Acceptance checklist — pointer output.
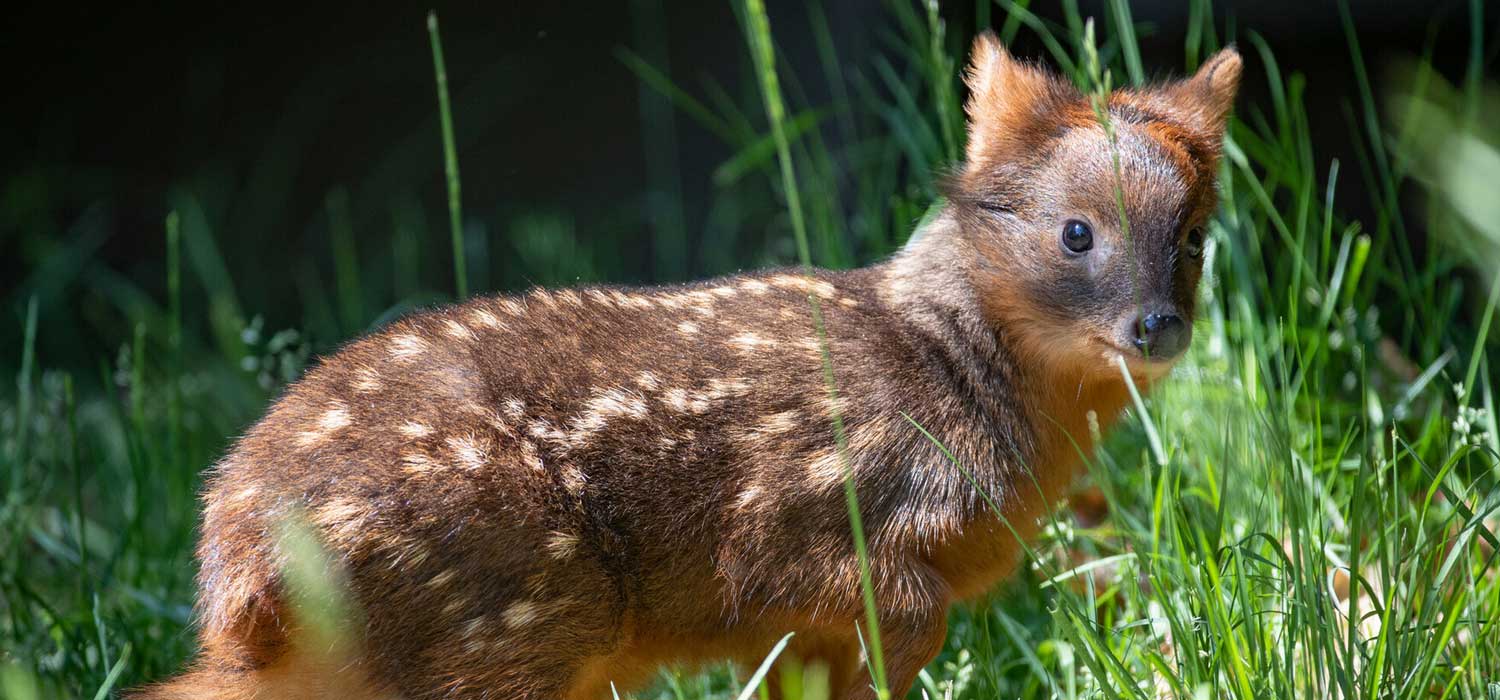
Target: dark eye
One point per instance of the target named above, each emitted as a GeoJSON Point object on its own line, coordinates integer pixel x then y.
{"type": "Point", "coordinates": [1077, 237]}
{"type": "Point", "coordinates": [1193, 246]}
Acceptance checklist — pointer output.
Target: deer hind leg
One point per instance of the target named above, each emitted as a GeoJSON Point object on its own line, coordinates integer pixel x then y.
{"type": "Point", "coordinates": [835, 655]}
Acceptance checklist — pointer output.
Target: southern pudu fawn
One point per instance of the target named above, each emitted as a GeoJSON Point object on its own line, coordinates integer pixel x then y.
{"type": "Point", "coordinates": [542, 496]}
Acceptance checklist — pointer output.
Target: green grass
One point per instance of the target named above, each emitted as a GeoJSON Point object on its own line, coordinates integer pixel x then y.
{"type": "Point", "coordinates": [1307, 509]}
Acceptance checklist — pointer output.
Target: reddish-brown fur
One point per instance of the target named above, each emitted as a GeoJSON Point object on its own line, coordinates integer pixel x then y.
{"type": "Point", "coordinates": [538, 496]}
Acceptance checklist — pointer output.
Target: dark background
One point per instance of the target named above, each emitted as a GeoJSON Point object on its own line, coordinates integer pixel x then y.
{"type": "Point", "coordinates": [114, 112]}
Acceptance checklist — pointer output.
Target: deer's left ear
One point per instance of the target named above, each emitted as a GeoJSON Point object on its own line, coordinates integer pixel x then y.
{"type": "Point", "coordinates": [1207, 98]}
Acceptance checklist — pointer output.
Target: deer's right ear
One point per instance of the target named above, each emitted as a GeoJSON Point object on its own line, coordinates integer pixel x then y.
{"type": "Point", "coordinates": [1004, 97]}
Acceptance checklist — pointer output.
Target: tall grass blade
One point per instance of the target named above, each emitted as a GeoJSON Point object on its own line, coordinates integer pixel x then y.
{"type": "Point", "coordinates": [753, 683]}
{"type": "Point", "coordinates": [174, 340]}
{"type": "Point", "coordinates": [758, 31]}
{"type": "Point", "coordinates": [450, 161]}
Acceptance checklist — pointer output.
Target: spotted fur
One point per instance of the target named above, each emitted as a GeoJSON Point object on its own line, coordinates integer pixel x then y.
{"type": "Point", "coordinates": [543, 495]}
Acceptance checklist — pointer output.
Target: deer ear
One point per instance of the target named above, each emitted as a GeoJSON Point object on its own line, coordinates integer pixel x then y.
{"type": "Point", "coordinates": [1003, 94]}
{"type": "Point", "coordinates": [1207, 98]}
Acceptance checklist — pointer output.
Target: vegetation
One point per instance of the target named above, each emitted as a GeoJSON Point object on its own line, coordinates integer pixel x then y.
{"type": "Point", "coordinates": [1308, 509]}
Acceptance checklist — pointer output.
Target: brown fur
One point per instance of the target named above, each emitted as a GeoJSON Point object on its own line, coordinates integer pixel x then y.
{"type": "Point", "coordinates": [538, 496]}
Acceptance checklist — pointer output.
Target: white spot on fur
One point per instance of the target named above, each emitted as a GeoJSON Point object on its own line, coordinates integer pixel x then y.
{"type": "Point", "coordinates": [561, 545]}
{"type": "Point", "coordinates": [804, 284]}
{"type": "Point", "coordinates": [342, 519]}
{"type": "Point", "coordinates": [366, 379]}
{"type": "Point", "coordinates": [486, 319]}
{"type": "Point", "coordinates": [778, 423]}
{"type": "Point", "coordinates": [826, 469]}
{"type": "Point", "coordinates": [541, 429]}
{"type": "Point", "coordinates": [521, 613]}
{"type": "Point", "coordinates": [441, 579]}
{"type": "Point", "coordinates": [724, 292]}
{"type": "Point", "coordinates": [638, 301]}
{"type": "Point", "coordinates": [769, 428]}
{"type": "Point", "coordinates": [722, 388]}
{"type": "Point", "coordinates": [458, 331]}
{"type": "Point", "coordinates": [574, 480]}
{"type": "Point", "coordinates": [698, 301]}
{"type": "Point", "coordinates": [471, 455]}
{"type": "Point", "coordinates": [406, 346]}
{"type": "Point", "coordinates": [701, 302]}
{"type": "Point", "coordinates": [417, 464]}
{"type": "Point", "coordinates": [515, 408]}
{"type": "Point", "coordinates": [746, 498]}
{"type": "Point", "coordinates": [684, 401]}
{"type": "Point", "coordinates": [332, 420]}
{"type": "Point", "coordinates": [749, 341]}
{"type": "Point", "coordinates": [850, 302]}
{"type": "Point", "coordinates": [676, 399]}
{"type": "Point", "coordinates": [338, 510]}
{"type": "Point", "coordinates": [647, 380]}
{"type": "Point", "coordinates": [607, 404]}
{"type": "Point", "coordinates": [474, 626]}
{"type": "Point", "coordinates": [599, 297]}
{"type": "Point", "coordinates": [413, 555]}
{"type": "Point", "coordinates": [698, 402]}
{"type": "Point", "coordinates": [455, 606]}
{"type": "Point", "coordinates": [415, 430]}
{"type": "Point", "coordinates": [511, 307]}
{"type": "Point", "coordinates": [755, 286]}
{"type": "Point", "coordinates": [490, 417]}
{"type": "Point", "coordinates": [687, 328]}
{"type": "Point", "coordinates": [618, 402]}
{"type": "Point", "coordinates": [838, 406]}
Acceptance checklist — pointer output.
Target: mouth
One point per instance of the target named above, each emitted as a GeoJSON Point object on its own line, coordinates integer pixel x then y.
{"type": "Point", "coordinates": [1139, 364]}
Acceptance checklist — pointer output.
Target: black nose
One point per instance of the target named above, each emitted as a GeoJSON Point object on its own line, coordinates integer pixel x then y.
{"type": "Point", "coordinates": [1161, 336]}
